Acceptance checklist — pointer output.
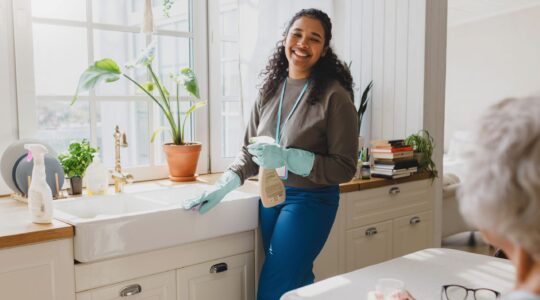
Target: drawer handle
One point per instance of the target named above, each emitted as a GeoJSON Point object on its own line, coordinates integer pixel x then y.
{"type": "Point", "coordinates": [414, 220]}
{"type": "Point", "coordinates": [394, 190]}
{"type": "Point", "coordinates": [218, 268]}
{"type": "Point", "coordinates": [371, 231]}
{"type": "Point", "coordinates": [131, 290]}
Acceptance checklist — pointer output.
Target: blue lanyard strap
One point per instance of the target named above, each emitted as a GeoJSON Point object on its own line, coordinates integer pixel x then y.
{"type": "Point", "coordinates": [278, 123]}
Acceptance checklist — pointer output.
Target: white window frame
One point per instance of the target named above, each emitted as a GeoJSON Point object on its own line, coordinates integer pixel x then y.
{"type": "Point", "coordinates": [26, 98]}
{"type": "Point", "coordinates": [218, 162]}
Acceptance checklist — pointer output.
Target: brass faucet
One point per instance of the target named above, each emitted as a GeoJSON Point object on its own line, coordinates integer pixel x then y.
{"type": "Point", "coordinates": [119, 178]}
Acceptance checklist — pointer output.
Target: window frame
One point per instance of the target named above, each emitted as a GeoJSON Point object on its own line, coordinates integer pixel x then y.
{"type": "Point", "coordinates": [218, 162]}
{"type": "Point", "coordinates": [27, 98]}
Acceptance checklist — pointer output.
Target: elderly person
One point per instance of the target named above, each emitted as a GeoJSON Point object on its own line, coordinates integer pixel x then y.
{"type": "Point", "coordinates": [501, 194]}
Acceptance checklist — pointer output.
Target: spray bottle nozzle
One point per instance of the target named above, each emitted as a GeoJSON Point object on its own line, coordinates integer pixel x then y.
{"type": "Point", "coordinates": [35, 150]}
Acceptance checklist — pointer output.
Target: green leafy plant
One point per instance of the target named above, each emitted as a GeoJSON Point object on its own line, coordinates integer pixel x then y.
{"type": "Point", "coordinates": [77, 159]}
{"type": "Point", "coordinates": [364, 103]}
{"type": "Point", "coordinates": [423, 145]}
{"type": "Point", "coordinates": [107, 70]}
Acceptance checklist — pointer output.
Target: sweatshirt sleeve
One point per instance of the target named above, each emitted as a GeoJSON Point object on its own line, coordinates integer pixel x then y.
{"type": "Point", "coordinates": [243, 165]}
{"type": "Point", "coordinates": [338, 165]}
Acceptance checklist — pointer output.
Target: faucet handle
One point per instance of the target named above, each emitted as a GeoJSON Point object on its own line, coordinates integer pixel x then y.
{"type": "Point", "coordinates": [124, 140]}
{"type": "Point", "coordinates": [129, 178]}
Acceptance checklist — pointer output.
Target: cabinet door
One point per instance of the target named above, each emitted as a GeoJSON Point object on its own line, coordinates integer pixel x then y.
{"type": "Point", "coordinates": [161, 286]}
{"type": "Point", "coordinates": [230, 278]}
{"type": "Point", "coordinates": [368, 245]}
{"type": "Point", "coordinates": [42, 271]}
{"type": "Point", "coordinates": [413, 233]}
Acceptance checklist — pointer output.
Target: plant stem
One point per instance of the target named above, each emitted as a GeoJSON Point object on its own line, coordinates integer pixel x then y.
{"type": "Point", "coordinates": [181, 129]}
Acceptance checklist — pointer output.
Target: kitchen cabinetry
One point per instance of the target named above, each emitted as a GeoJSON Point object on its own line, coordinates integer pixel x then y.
{"type": "Point", "coordinates": [378, 224]}
{"type": "Point", "coordinates": [38, 271]}
{"type": "Point", "coordinates": [220, 268]}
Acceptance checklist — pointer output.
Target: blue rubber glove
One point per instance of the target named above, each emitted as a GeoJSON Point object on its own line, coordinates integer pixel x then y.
{"type": "Point", "coordinates": [208, 199]}
{"type": "Point", "coordinates": [273, 156]}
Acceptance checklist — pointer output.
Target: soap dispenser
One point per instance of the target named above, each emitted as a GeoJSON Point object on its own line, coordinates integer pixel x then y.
{"type": "Point", "coordinates": [96, 177]}
{"type": "Point", "coordinates": [39, 192]}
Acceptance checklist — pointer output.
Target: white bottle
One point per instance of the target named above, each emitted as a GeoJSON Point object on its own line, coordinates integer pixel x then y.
{"type": "Point", "coordinates": [39, 192]}
{"type": "Point", "coordinates": [96, 178]}
{"type": "Point", "coordinates": [271, 188]}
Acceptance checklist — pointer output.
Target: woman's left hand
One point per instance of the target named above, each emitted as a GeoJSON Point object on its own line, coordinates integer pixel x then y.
{"type": "Point", "coordinates": [268, 155]}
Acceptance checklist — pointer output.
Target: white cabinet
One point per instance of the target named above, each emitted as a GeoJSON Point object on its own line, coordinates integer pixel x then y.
{"type": "Point", "coordinates": [368, 245]}
{"type": "Point", "coordinates": [219, 268]}
{"type": "Point", "coordinates": [39, 271]}
{"type": "Point", "coordinates": [229, 278]}
{"type": "Point", "coordinates": [156, 287]}
{"type": "Point", "coordinates": [413, 233]}
{"type": "Point", "coordinates": [378, 224]}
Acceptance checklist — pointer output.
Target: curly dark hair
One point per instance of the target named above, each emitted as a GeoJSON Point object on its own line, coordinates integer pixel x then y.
{"type": "Point", "coordinates": [328, 66]}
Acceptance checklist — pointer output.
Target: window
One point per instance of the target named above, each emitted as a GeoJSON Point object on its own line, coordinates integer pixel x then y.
{"type": "Point", "coordinates": [55, 40]}
{"type": "Point", "coordinates": [226, 114]}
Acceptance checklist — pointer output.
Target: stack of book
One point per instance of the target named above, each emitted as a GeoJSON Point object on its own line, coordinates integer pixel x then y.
{"type": "Point", "coordinates": [392, 159]}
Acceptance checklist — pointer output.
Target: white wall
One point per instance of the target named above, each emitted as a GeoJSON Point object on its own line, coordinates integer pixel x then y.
{"type": "Point", "coordinates": [489, 60]}
{"type": "Point", "coordinates": [8, 104]}
{"type": "Point", "coordinates": [387, 40]}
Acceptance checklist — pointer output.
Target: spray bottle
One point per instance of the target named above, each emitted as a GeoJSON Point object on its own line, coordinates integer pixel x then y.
{"type": "Point", "coordinates": [39, 192]}
{"type": "Point", "coordinates": [271, 187]}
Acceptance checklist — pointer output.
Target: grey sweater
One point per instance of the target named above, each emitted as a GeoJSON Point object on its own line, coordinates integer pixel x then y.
{"type": "Point", "coordinates": [329, 129]}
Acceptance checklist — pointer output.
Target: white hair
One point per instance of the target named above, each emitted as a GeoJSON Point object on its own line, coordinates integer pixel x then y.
{"type": "Point", "coordinates": [501, 192]}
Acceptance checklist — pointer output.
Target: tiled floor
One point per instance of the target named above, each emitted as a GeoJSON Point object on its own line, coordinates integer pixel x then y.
{"type": "Point", "coordinates": [461, 241]}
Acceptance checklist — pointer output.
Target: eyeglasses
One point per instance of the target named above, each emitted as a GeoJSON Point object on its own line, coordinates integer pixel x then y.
{"type": "Point", "coordinates": [459, 292]}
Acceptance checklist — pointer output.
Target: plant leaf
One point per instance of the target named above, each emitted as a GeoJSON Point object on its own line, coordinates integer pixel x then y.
{"type": "Point", "coordinates": [102, 70]}
{"type": "Point", "coordinates": [196, 106]}
{"type": "Point", "coordinates": [190, 82]}
{"type": "Point", "coordinates": [149, 86]}
{"type": "Point", "coordinates": [145, 58]}
{"type": "Point", "coordinates": [155, 133]}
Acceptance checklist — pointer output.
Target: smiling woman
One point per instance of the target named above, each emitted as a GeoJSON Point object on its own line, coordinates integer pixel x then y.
{"type": "Point", "coordinates": [306, 105]}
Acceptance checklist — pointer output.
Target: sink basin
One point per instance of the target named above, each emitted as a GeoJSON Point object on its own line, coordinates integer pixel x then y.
{"type": "Point", "coordinates": [122, 224]}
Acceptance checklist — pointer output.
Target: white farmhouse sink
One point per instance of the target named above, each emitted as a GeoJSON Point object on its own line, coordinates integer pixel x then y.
{"type": "Point", "coordinates": [121, 224]}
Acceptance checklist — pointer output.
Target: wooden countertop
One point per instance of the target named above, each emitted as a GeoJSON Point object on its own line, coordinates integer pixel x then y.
{"type": "Point", "coordinates": [17, 229]}
{"type": "Point", "coordinates": [360, 184]}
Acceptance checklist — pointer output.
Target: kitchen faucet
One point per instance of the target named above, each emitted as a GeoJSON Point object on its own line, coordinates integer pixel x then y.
{"type": "Point", "coordinates": [119, 178]}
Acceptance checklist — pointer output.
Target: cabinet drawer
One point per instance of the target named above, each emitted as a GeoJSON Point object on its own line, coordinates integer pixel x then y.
{"type": "Point", "coordinates": [156, 287]}
{"type": "Point", "coordinates": [413, 233]}
{"type": "Point", "coordinates": [376, 205]}
{"type": "Point", "coordinates": [368, 245]}
{"type": "Point", "coordinates": [229, 278]}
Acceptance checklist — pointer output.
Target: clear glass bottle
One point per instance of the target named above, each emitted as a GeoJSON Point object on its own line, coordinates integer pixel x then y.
{"type": "Point", "coordinates": [365, 170]}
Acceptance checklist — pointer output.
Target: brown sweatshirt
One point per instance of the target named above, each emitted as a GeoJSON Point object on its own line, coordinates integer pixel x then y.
{"type": "Point", "coordinates": [329, 129]}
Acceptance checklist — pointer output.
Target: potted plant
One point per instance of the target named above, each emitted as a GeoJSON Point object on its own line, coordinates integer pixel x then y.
{"type": "Point", "coordinates": [362, 110]}
{"type": "Point", "coordinates": [75, 161]}
{"type": "Point", "coordinates": [422, 143]}
{"type": "Point", "coordinates": [182, 156]}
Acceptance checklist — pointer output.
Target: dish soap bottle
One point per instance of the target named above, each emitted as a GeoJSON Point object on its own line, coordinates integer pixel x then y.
{"type": "Point", "coordinates": [271, 187]}
{"type": "Point", "coordinates": [39, 192]}
{"type": "Point", "coordinates": [96, 177]}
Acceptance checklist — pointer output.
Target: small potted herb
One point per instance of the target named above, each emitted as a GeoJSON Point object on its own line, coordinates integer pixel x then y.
{"type": "Point", "coordinates": [75, 161]}
{"type": "Point", "coordinates": [422, 143]}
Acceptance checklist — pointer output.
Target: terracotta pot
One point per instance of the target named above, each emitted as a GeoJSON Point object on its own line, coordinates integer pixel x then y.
{"type": "Point", "coordinates": [182, 161]}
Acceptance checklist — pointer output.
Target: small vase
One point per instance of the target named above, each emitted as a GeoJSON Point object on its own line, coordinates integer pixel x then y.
{"type": "Point", "coordinates": [182, 161]}
{"type": "Point", "coordinates": [75, 185]}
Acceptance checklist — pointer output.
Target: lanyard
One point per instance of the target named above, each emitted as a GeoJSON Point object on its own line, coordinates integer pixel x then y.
{"type": "Point", "coordinates": [278, 123]}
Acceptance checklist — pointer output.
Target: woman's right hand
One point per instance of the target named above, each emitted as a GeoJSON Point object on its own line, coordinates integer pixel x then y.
{"type": "Point", "coordinates": [209, 199]}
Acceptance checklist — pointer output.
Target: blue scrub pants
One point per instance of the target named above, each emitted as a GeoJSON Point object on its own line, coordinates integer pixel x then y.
{"type": "Point", "coordinates": [294, 232]}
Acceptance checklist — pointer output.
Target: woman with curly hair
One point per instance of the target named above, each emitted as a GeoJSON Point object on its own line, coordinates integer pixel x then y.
{"type": "Point", "coordinates": [306, 103]}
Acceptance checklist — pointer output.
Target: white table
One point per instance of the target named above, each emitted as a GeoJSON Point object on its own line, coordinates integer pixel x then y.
{"type": "Point", "coordinates": [424, 272]}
